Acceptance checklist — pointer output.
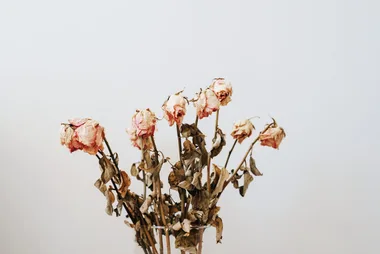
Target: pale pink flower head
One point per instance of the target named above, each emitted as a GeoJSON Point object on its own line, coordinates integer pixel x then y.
{"type": "Point", "coordinates": [175, 109]}
{"type": "Point", "coordinates": [140, 142]}
{"type": "Point", "coordinates": [206, 103]}
{"type": "Point", "coordinates": [144, 121]}
{"type": "Point", "coordinates": [222, 89]}
{"type": "Point", "coordinates": [242, 130]}
{"type": "Point", "coordinates": [83, 134]}
{"type": "Point", "coordinates": [272, 137]}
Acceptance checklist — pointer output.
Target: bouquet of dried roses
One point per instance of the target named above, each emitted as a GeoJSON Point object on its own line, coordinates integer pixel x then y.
{"type": "Point", "coordinates": [154, 215]}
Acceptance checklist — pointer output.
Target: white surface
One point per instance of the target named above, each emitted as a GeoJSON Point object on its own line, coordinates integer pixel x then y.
{"type": "Point", "coordinates": [313, 65]}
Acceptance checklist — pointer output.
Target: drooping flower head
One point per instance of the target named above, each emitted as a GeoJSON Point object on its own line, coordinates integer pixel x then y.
{"type": "Point", "coordinates": [175, 109]}
{"type": "Point", "coordinates": [207, 103]}
{"type": "Point", "coordinates": [143, 127]}
{"type": "Point", "coordinates": [222, 89]}
{"type": "Point", "coordinates": [272, 137]}
{"type": "Point", "coordinates": [83, 134]}
{"type": "Point", "coordinates": [242, 130]}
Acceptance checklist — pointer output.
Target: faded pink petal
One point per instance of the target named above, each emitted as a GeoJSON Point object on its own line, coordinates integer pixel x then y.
{"type": "Point", "coordinates": [242, 130]}
{"type": "Point", "coordinates": [222, 89]}
{"type": "Point", "coordinates": [144, 122]}
{"type": "Point", "coordinates": [174, 109]}
{"type": "Point", "coordinates": [207, 103]}
{"type": "Point", "coordinates": [272, 137]}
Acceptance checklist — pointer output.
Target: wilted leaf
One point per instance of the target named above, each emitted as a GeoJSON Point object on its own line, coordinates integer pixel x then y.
{"type": "Point", "coordinates": [185, 185]}
{"type": "Point", "coordinates": [119, 207]}
{"type": "Point", "coordinates": [134, 170]}
{"type": "Point", "coordinates": [201, 202]}
{"type": "Point", "coordinates": [101, 186]}
{"type": "Point", "coordinates": [197, 180]}
{"type": "Point", "coordinates": [213, 213]}
{"type": "Point", "coordinates": [222, 178]}
{"type": "Point", "coordinates": [198, 139]}
{"type": "Point", "coordinates": [247, 180]}
{"type": "Point", "coordinates": [145, 206]}
{"type": "Point", "coordinates": [110, 197]}
{"type": "Point", "coordinates": [252, 165]}
{"type": "Point", "coordinates": [131, 225]}
{"type": "Point", "coordinates": [186, 225]}
{"type": "Point", "coordinates": [108, 169]}
{"type": "Point", "coordinates": [177, 226]}
{"type": "Point", "coordinates": [125, 183]}
{"type": "Point", "coordinates": [218, 143]}
{"type": "Point", "coordinates": [218, 224]}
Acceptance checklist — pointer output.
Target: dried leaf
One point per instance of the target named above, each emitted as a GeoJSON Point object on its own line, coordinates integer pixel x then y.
{"type": "Point", "coordinates": [125, 183]}
{"type": "Point", "coordinates": [108, 169]}
{"type": "Point", "coordinates": [131, 225]}
{"type": "Point", "coordinates": [134, 170]}
{"type": "Point", "coordinates": [201, 202]}
{"type": "Point", "coordinates": [177, 226]}
{"type": "Point", "coordinates": [145, 206]}
{"type": "Point", "coordinates": [110, 197]}
{"type": "Point", "coordinates": [247, 180]}
{"type": "Point", "coordinates": [101, 186]}
{"type": "Point", "coordinates": [185, 185]}
{"type": "Point", "coordinates": [197, 180]}
{"type": "Point", "coordinates": [252, 165]}
{"type": "Point", "coordinates": [119, 207]}
{"type": "Point", "coordinates": [222, 178]}
{"type": "Point", "coordinates": [218, 143]}
{"type": "Point", "coordinates": [213, 213]}
{"type": "Point", "coordinates": [218, 224]}
{"type": "Point", "coordinates": [186, 225]}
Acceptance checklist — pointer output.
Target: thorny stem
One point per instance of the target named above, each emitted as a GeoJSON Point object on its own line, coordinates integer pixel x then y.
{"type": "Point", "coordinates": [157, 184]}
{"type": "Point", "coordinates": [229, 153]}
{"type": "Point", "coordinates": [245, 156]}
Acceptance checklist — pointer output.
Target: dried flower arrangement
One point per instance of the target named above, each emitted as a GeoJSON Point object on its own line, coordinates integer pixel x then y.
{"type": "Point", "coordinates": [155, 215]}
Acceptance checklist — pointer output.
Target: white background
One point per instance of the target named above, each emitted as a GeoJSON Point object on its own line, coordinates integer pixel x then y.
{"type": "Point", "coordinates": [313, 65]}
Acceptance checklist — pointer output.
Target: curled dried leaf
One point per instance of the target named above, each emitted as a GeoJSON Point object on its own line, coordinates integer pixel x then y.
{"type": "Point", "coordinates": [177, 226]}
{"type": "Point", "coordinates": [218, 143]}
{"type": "Point", "coordinates": [145, 206]}
{"type": "Point", "coordinates": [197, 180]}
{"type": "Point", "coordinates": [185, 185]}
{"type": "Point", "coordinates": [108, 169]}
{"type": "Point", "coordinates": [252, 165]}
{"type": "Point", "coordinates": [218, 224]}
{"type": "Point", "coordinates": [101, 186]}
{"type": "Point", "coordinates": [110, 197]}
{"type": "Point", "coordinates": [224, 175]}
{"type": "Point", "coordinates": [247, 180]}
{"type": "Point", "coordinates": [187, 242]}
{"type": "Point", "coordinates": [125, 183]}
{"type": "Point", "coordinates": [134, 170]}
{"type": "Point", "coordinates": [131, 225]}
{"type": "Point", "coordinates": [186, 225]}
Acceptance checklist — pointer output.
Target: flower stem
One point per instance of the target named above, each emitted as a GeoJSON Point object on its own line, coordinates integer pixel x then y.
{"type": "Point", "coordinates": [209, 155]}
{"type": "Point", "coordinates": [245, 156]}
{"type": "Point", "coordinates": [144, 175]}
{"type": "Point", "coordinates": [229, 153]}
{"type": "Point", "coordinates": [182, 192]}
{"type": "Point", "coordinates": [200, 241]}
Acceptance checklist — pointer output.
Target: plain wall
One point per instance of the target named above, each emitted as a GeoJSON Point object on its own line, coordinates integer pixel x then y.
{"type": "Point", "coordinates": [313, 65]}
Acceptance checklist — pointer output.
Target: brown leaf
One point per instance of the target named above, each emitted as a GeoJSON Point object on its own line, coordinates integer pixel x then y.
{"type": "Point", "coordinates": [101, 186]}
{"type": "Point", "coordinates": [186, 225]}
{"type": "Point", "coordinates": [148, 201]}
{"type": "Point", "coordinates": [125, 183]}
{"type": "Point", "coordinates": [201, 202]}
{"type": "Point", "coordinates": [218, 143]}
{"type": "Point", "coordinates": [247, 180]}
{"type": "Point", "coordinates": [197, 180]}
{"type": "Point", "coordinates": [187, 242]}
{"type": "Point", "coordinates": [110, 197]}
{"type": "Point", "coordinates": [185, 185]}
{"type": "Point", "coordinates": [108, 169]}
{"type": "Point", "coordinates": [218, 224]}
{"type": "Point", "coordinates": [177, 226]}
{"type": "Point", "coordinates": [223, 177]}
{"type": "Point", "coordinates": [252, 165]}
{"type": "Point", "coordinates": [134, 170]}
{"type": "Point", "coordinates": [213, 213]}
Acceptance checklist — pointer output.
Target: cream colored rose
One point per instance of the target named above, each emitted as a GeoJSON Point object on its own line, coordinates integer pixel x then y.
{"type": "Point", "coordinates": [144, 121]}
{"type": "Point", "coordinates": [242, 130]}
{"type": "Point", "coordinates": [272, 137]}
{"type": "Point", "coordinates": [175, 109]}
{"type": "Point", "coordinates": [206, 103]}
{"type": "Point", "coordinates": [222, 89]}
{"type": "Point", "coordinates": [83, 134]}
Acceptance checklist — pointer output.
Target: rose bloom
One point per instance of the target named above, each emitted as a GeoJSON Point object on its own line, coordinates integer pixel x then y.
{"type": "Point", "coordinates": [83, 134]}
{"type": "Point", "coordinates": [242, 130]}
{"type": "Point", "coordinates": [206, 103]}
{"type": "Point", "coordinates": [222, 89]}
{"type": "Point", "coordinates": [174, 109]}
{"type": "Point", "coordinates": [272, 137]}
{"type": "Point", "coordinates": [144, 122]}
{"type": "Point", "coordinates": [140, 142]}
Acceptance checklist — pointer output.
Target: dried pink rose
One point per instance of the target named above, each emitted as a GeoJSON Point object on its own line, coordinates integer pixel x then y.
{"type": "Point", "coordinates": [242, 130]}
{"type": "Point", "coordinates": [144, 122]}
{"type": "Point", "coordinates": [206, 103]}
{"type": "Point", "coordinates": [143, 127]}
{"type": "Point", "coordinates": [272, 137]}
{"type": "Point", "coordinates": [83, 134]}
{"type": "Point", "coordinates": [174, 109]}
{"type": "Point", "coordinates": [222, 89]}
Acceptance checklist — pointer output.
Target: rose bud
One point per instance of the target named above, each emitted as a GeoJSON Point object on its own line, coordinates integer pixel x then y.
{"type": "Point", "coordinates": [222, 89]}
{"type": "Point", "coordinates": [272, 137]}
{"type": "Point", "coordinates": [175, 109]}
{"type": "Point", "coordinates": [144, 122]}
{"type": "Point", "coordinates": [83, 134]}
{"type": "Point", "coordinates": [206, 103]}
{"type": "Point", "coordinates": [242, 130]}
